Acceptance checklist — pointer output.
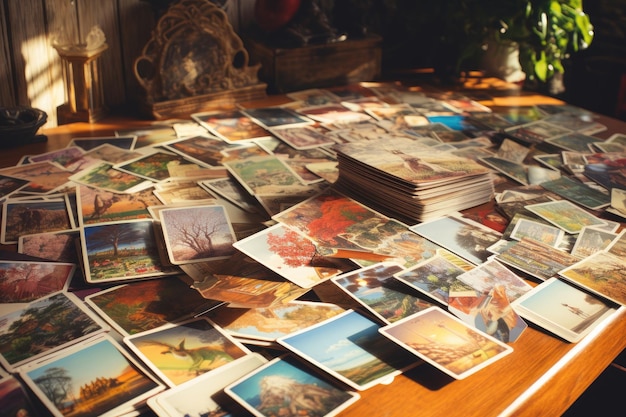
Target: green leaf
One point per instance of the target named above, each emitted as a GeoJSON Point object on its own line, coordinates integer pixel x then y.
{"type": "Point", "coordinates": [541, 67]}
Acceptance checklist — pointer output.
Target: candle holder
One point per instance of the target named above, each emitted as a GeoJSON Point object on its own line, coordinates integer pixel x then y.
{"type": "Point", "coordinates": [83, 85]}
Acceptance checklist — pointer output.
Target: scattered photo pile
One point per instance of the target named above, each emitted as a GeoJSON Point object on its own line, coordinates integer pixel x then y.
{"type": "Point", "coordinates": [283, 260]}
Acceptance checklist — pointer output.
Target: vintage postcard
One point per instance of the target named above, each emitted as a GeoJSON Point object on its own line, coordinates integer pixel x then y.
{"type": "Point", "coordinates": [578, 192]}
{"type": "Point", "coordinates": [269, 117]}
{"type": "Point", "coordinates": [268, 324]}
{"type": "Point", "coordinates": [89, 143]}
{"type": "Point", "coordinates": [43, 177]}
{"type": "Point", "coordinates": [52, 323]}
{"type": "Point", "coordinates": [63, 157]}
{"type": "Point", "coordinates": [512, 151]}
{"type": "Point", "coordinates": [535, 258]}
{"type": "Point", "coordinates": [121, 251]}
{"type": "Point", "coordinates": [203, 150]}
{"type": "Point", "coordinates": [197, 233]}
{"type": "Point", "coordinates": [202, 396]}
{"type": "Point", "coordinates": [582, 123]}
{"type": "Point", "coordinates": [314, 97]}
{"type": "Point", "coordinates": [105, 177]}
{"type": "Point", "coordinates": [552, 161]}
{"type": "Point", "coordinates": [562, 309]}
{"type": "Point", "coordinates": [535, 132]}
{"type": "Point", "coordinates": [376, 288]}
{"type": "Point", "coordinates": [100, 206]}
{"type": "Point", "coordinates": [148, 136]}
{"type": "Point", "coordinates": [433, 330]}
{"type": "Point", "coordinates": [601, 273]}
{"type": "Point", "coordinates": [58, 246]}
{"type": "Point", "coordinates": [297, 160]}
{"type": "Point", "coordinates": [112, 384]}
{"type": "Point", "coordinates": [464, 237]}
{"type": "Point", "coordinates": [566, 215]}
{"type": "Point", "coordinates": [291, 255]}
{"type": "Point", "coordinates": [232, 126]}
{"type": "Point", "coordinates": [486, 276]}
{"type": "Point", "coordinates": [302, 137]}
{"type": "Point", "coordinates": [432, 277]}
{"type": "Point", "coordinates": [153, 167]}
{"type": "Point", "coordinates": [489, 312]}
{"type": "Point", "coordinates": [541, 232]}
{"type": "Point", "coordinates": [282, 383]}
{"type": "Point", "coordinates": [333, 113]}
{"type": "Point", "coordinates": [26, 281]}
{"type": "Point", "coordinates": [232, 191]}
{"type": "Point", "coordinates": [144, 305]}
{"type": "Point", "coordinates": [349, 347]}
{"type": "Point", "coordinates": [244, 292]}
{"type": "Point", "coordinates": [179, 352]}
{"type": "Point", "coordinates": [112, 154]}
{"type": "Point", "coordinates": [591, 240]}
{"type": "Point", "coordinates": [513, 170]}
{"type": "Point", "coordinates": [263, 174]}
{"type": "Point", "coordinates": [576, 142]}
{"type": "Point", "coordinates": [23, 217]}
{"type": "Point", "coordinates": [175, 191]}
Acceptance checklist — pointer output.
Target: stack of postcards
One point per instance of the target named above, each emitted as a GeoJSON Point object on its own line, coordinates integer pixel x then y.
{"type": "Point", "coordinates": [405, 179]}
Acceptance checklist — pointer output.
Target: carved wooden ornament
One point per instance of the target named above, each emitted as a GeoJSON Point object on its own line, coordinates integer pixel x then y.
{"type": "Point", "coordinates": [194, 52]}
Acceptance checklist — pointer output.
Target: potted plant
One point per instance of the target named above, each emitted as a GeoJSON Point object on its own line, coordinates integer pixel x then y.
{"type": "Point", "coordinates": [546, 33]}
{"type": "Point", "coordinates": [457, 33]}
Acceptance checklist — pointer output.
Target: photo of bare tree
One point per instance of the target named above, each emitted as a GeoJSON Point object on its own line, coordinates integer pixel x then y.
{"type": "Point", "coordinates": [198, 233]}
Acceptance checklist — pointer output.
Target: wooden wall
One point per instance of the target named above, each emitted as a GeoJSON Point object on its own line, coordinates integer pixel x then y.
{"type": "Point", "coordinates": [30, 68]}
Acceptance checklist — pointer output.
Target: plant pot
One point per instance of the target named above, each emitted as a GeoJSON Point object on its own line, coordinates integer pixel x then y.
{"type": "Point", "coordinates": [501, 60]}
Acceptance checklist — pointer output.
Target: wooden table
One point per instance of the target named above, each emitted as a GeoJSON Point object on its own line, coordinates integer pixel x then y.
{"type": "Point", "coordinates": [543, 376]}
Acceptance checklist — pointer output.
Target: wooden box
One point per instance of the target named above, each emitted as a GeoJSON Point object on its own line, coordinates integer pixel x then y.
{"type": "Point", "coordinates": [317, 66]}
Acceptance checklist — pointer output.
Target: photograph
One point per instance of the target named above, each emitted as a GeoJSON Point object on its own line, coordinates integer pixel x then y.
{"type": "Point", "coordinates": [268, 324]}
{"type": "Point", "coordinates": [291, 255]}
{"type": "Point", "coordinates": [302, 137]}
{"type": "Point", "coordinates": [197, 233]}
{"type": "Point", "coordinates": [26, 281]}
{"type": "Point", "coordinates": [153, 167]}
{"type": "Point", "coordinates": [283, 387]}
{"type": "Point", "coordinates": [602, 273]}
{"type": "Point", "coordinates": [562, 309]}
{"type": "Point", "coordinates": [43, 326]}
{"type": "Point", "coordinates": [376, 288]}
{"type": "Point", "coordinates": [100, 206]}
{"type": "Point", "coordinates": [464, 237]}
{"type": "Point", "coordinates": [432, 277]}
{"type": "Point", "coordinates": [446, 342]}
{"type": "Point", "coordinates": [565, 215]}
{"type": "Point", "coordinates": [121, 251]}
{"type": "Point", "coordinates": [349, 347]}
{"type": "Point", "coordinates": [144, 305]}
{"type": "Point", "coordinates": [232, 126]}
{"type": "Point", "coordinates": [180, 352]}
{"type": "Point", "coordinates": [269, 117]}
{"type": "Point", "coordinates": [23, 217]}
{"type": "Point", "coordinates": [203, 395]}
{"type": "Point", "coordinates": [105, 177]}
{"type": "Point", "coordinates": [73, 384]}
{"type": "Point", "coordinates": [486, 276]}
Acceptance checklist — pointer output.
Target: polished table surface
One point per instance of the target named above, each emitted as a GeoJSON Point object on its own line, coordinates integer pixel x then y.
{"type": "Point", "coordinates": [543, 376]}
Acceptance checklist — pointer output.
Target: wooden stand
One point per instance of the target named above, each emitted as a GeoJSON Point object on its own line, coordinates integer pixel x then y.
{"type": "Point", "coordinates": [311, 66]}
{"type": "Point", "coordinates": [83, 86]}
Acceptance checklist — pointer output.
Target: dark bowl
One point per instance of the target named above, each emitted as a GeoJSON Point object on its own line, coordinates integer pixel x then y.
{"type": "Point", "coordinates": [19, 125]}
